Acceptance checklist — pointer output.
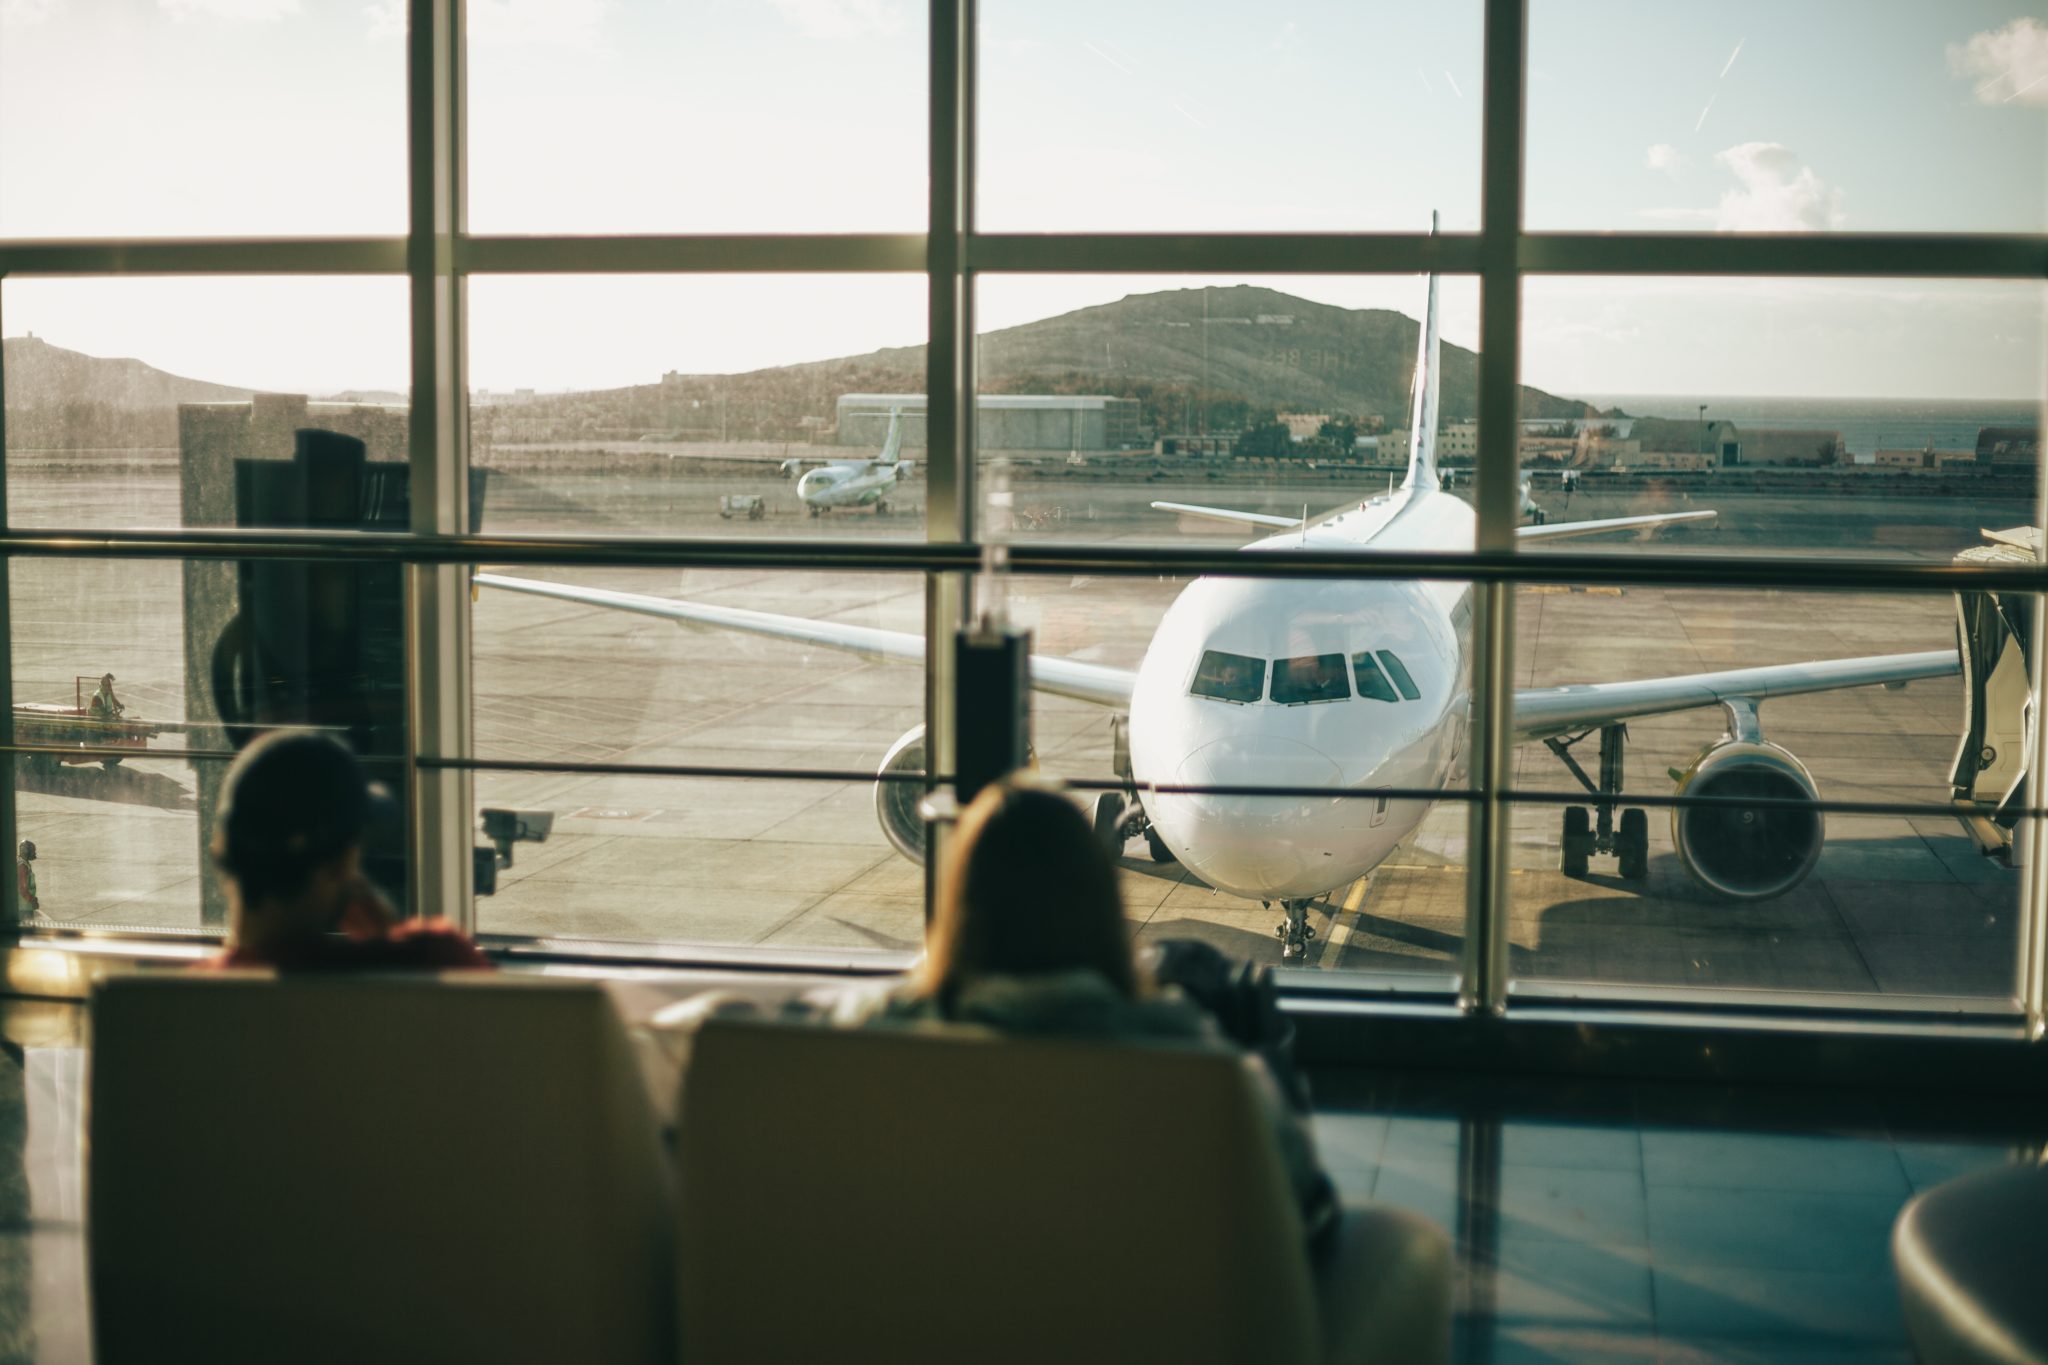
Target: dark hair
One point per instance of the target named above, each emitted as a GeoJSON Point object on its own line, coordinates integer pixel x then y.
{"type": "Point", "coordinates": [1029, 891]}
{"type": "Point", "coordinates": [292, 803]}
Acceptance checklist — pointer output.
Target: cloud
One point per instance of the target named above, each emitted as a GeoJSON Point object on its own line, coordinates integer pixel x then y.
{"type": "Point", "coordinates": [1774, 192]}
{"type": "Point", "coordinates": [1664, 157]}
{"type": "Point", "coordinates": [2008, 65]}
{"type": "Point", "coordinates": [834, 20]}
{"type": "Point", "coordinates": [252, 11]}
{"type": "Point", "coordinates": [1284, 39]}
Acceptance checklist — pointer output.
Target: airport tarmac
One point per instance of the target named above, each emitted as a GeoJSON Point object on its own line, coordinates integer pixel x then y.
{"type": "Point", "coordinates": [1901, 905]}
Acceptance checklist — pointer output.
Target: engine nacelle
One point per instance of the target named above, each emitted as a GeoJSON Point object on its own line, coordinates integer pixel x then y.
{"type": "Point", "coordinates": [896, 802]}
{"type": "Point", "coordinates": [1747, 853]}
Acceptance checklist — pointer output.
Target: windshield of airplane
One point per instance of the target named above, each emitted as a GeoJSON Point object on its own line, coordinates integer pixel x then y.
{"type": "Point", "coordinates": [1372, 684]}
{"type": "Point", "coordinates": [1310, 677]}
{"type": "Point", "coordinates": [1399, 674]}
{"type": "Point", "coordinates": [1229, 677]}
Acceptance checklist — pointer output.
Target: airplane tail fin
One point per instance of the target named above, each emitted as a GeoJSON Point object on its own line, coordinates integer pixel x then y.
{"type": "Point", "coordinates": [894, 442]}
{"type": "Point", "coordinates": [1422, 410]}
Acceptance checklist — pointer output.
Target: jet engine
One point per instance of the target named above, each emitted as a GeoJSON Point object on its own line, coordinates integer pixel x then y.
{"type": "Point", "coordinates": [896, 801]}
{"type": "Point", "coordinates": [1747, 852]}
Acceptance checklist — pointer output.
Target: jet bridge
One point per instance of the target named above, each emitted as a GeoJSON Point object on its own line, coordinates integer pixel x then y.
{"type": "Point", "coordinates": [1994, 631]}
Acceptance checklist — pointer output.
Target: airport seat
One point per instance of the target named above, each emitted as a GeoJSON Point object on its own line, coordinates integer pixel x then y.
{"type": "Point", "coordinates": [1969, 1264]}
{"type": "Point", "coordinates": [944, 1195]}
{"type": "Point", "coordinates": [328, 1168]}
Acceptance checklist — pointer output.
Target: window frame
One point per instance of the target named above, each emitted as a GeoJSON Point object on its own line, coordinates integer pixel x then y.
{"type": "Point", "coordinates": [437, 255]}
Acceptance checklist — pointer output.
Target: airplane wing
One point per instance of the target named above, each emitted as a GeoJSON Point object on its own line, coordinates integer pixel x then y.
{"type": "Point", "coordinates": [1541, 712]}
{"type": "Point", "coordinates": [1061, 677]}
{"type": "Point", "coordinates": [1558, 530]}
{"type": "Point", "coordinates": [1225, 514]}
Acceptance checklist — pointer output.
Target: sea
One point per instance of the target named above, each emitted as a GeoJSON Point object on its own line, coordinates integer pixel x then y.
{"type": "Point", "coordinates": [1867, 424]}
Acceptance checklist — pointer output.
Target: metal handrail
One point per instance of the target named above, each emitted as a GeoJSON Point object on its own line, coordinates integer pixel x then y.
{"type": "Point", "coordinates": [1631, 569]}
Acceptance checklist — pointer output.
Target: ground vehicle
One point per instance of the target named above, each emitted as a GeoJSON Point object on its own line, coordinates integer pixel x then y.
{"type": "Point", "coordinates": [752, 506]}
{"type": "Point", "coordinates": [79, 726]}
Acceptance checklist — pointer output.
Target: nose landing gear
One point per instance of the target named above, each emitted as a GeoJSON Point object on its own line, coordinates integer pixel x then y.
{"type": "Point", "coordinates": [1295, 931]}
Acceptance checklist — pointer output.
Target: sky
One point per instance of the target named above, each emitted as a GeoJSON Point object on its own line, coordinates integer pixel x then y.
{"type": "Point", "coordinates": [260, 117]}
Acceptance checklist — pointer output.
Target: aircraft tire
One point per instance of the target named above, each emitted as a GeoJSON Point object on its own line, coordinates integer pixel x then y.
{"type": "Point", "coordinates": [1577, 841]}
{"type": "Point", "coordinates": [1109, 821]}
{"type": "Point", "coordinates": [1634, 845]}
{"type": "Point", "coordinates": [1156, 846]}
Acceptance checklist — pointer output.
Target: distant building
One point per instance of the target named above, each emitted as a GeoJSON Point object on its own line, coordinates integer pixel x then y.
{"type": "Point", "coordinates": [2008, 445]}
{"type": "Point", "coordinates": [1925, 458]}
{"type": "Point", "coordinates": [1303, 426]}
{"type": "Point", "coordinates": [1458, 438]}
{"type": "Point", "coordinates": [1676, 435]}
{"type": "Point", "coordinates": [1005, 421]}
{"type": "Point", "coordinates": [1667, 459]}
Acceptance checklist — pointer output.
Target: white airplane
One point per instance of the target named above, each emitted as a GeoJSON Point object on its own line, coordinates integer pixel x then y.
{"type": "Point", "coordinates": [855, 483]}
{"type": "Point", "coordinates": [1357, 687]}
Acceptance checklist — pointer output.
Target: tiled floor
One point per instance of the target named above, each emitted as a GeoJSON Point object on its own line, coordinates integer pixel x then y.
{"type": "Point", "coordinates": [1669, 1224]}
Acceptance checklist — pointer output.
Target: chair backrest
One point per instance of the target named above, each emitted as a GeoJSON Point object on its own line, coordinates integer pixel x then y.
{"type": "Point", "coordinates": [385, 1168]}
{"type": "Point", "coordinates": [947, 1195]}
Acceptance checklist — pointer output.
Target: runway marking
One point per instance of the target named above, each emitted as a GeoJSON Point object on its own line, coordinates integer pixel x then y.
{"type": "Point", "coordinates": [1339, 937]}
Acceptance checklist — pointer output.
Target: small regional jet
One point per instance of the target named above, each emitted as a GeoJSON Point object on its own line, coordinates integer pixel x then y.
{"type": "Point", "coordinates": [855, 483]}
{"type": "Point", "coordinates": [1358, 687]}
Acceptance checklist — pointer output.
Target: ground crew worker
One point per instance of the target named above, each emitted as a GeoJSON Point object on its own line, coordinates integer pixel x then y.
{"type": "Point", "coordinates": [25, 877]}
{"type": "Point", "coordinates": [105, 705]}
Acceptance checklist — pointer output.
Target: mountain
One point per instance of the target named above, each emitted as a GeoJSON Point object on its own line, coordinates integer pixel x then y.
{"type": "Point", "coordinates": [42, 375]}
{"type": "Point", "coordinates": [1211, 357]}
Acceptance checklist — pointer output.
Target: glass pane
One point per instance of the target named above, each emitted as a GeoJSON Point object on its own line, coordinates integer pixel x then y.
{"type": "Point", "coordinates": [144, 677]}
{"type": "Point", "coordinates": [643, 117]}
{"type": "Point", "coordinates": [1309, 677]}
{"type": "Point", "coordinates": [1372, 683]}
{"type": "Point", "coordinates": [1376, 866]}
{"type": "Point", "coordinates": [1737, 890]}
{"type": "Point", "coordinates": [1865, 417]}
{"type": "Point", "coordinates": [1106, 119]}
{"type": "Point", "coordinates": [1229, 677]}
{"type": "Point", "coordinates": [201, 118]}
{"type": "Point", "coordinates": [701, 405]}
{"type": "Point", "coordinates": [702, 667]}
{"type": "Point", "coordinates": [719, 862]}
{"type": "Point", "coordinates": [1749, 116]}
{"type": "Point", "coordinates": [122, 413]}
{"type": "Point", "coordinates": [1164, 408]}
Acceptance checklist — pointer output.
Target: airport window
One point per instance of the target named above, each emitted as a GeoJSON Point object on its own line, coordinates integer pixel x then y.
{"type": "Point", "coordinates": [1372, 684]}
{"type": "Point", "coordinates": [1648, 384]}
{"type": "Point", "coordinates": [1309, 677]}
{"type": "Point", "coordinates": [1229, 677]}
{"type": "Point", "coordinates": [1399, 673]}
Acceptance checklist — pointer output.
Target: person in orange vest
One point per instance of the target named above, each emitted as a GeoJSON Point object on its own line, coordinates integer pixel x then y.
{"type": "Point", "coordinates": [104, 704]}
{"type": "Point", "coordinates": [25, 878]}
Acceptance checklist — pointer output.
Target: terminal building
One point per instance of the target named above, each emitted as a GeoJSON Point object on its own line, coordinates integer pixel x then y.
{"type": "Point", "coordinates": [1053, 422]}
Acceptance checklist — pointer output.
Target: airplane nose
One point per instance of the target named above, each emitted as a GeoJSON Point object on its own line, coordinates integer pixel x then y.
{"type": "Point", "coordinates": [1258, 846]}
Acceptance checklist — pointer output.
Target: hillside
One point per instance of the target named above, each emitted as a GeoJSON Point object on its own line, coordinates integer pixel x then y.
{"type": "Point", "coordinates": [1266, 351]}
{"type": "Point", "coordinates": [60, 399]}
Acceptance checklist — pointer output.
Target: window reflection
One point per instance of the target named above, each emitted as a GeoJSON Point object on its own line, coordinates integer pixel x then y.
{"type": "Point", "coordinates": [1229, 677]}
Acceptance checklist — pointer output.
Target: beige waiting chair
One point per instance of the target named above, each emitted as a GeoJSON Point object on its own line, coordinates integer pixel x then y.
{"type": "Point", "coordinates": [372, 1169]}
{"type": "Point", "coordinates": [946, 1196]}
{"type": "Point", "coordinates": [1971, 1270]}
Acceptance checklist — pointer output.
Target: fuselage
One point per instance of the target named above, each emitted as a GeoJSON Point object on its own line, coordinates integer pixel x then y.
{"type": "Point", "coordinates": [847, 485]}
{"type": "Point", "coordinates": [1344, 685]}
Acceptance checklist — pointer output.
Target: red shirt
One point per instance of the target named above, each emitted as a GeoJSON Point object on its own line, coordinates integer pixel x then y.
{"type": "Point", "coordinates": [432, 945]}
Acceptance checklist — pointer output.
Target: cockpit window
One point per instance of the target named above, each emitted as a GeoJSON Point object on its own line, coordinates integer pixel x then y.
{"type": "Point", "coordinates": [1399, 674]}
{"type": "Point", "coordinates": [1229, 677]}
{"type": "Point", "coordinates": [1372, 684]}
{"type": "Point", "coordinates": [1310, 677]}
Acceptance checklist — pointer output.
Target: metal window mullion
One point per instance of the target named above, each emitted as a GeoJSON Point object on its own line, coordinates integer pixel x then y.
{"type": "Point", "coordinates": [2031, 844]}
{"type": "Point", "coordinates": [949, 405]}
{"type": "Point", "coordinates": [1484, 985]}
{"type": "Point", "coordinates": [437, 596]}
{"type": "Point", "coordinates": [10, 830]}
{"type": "Point", "coordinates": [208, 256]}
{"type": "Point", "coordinates": [724, 254]}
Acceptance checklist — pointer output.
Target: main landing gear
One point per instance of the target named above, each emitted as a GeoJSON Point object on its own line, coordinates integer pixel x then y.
{"type": "Point", "coordinates": [1119, 817]}
{"type": "Point", "coordinates": [1295, 931]}
{"type": "Point", "coordinates": [1596, 831]}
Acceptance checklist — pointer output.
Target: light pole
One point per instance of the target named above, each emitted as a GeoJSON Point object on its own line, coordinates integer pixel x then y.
{"type": "Point", "coordinates": [1703, 430]}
